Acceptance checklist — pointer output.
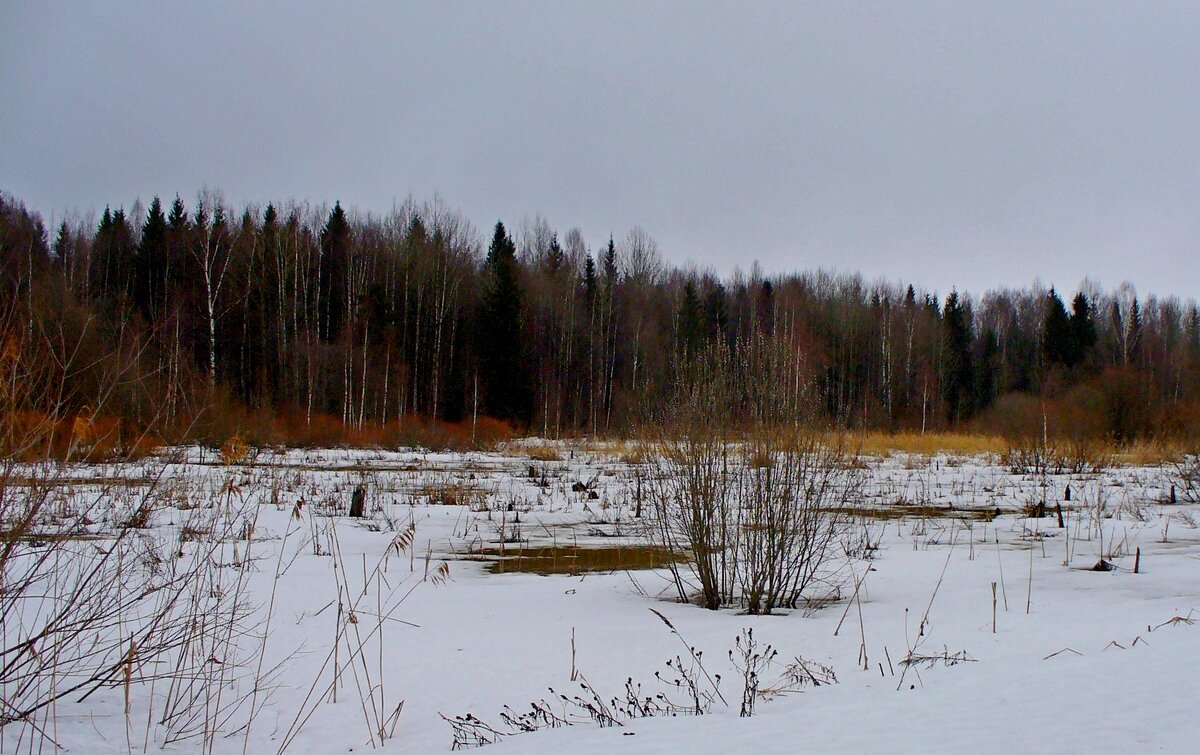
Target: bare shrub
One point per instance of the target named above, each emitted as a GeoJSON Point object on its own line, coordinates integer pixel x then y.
{"type": "Point", "coordinates": [1185, 477]}
{"type": "Point", "coordinates": [792, 514]}
{"type": "Point", "coordinates": [754, 496]}
{"type": "Point", "coordinates": [1038, 456]}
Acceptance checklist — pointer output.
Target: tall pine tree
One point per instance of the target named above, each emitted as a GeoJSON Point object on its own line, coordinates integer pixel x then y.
{"type": "Point", "coordinates": [150, 265]}
{"type": "Point", "coordinates": [502, 366]}
{"type": "Point", "coordinates": [691, 324]}
{"type": "Point", "coordinates": [960, 366]}
{"type": "Point", "coordinates": [1083, 329]}
{"type": "Point", "coordinates": [1057, 337]}
{"type": "Point", "coordinates": [334, 266]}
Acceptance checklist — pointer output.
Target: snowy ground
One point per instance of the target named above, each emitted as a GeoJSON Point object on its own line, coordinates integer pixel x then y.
{"type": "Point", "coordinates": [1076, 659]}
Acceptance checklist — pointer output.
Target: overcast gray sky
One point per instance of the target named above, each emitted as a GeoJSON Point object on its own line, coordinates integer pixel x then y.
{"type": "Point", "coordinates": [954, 144]}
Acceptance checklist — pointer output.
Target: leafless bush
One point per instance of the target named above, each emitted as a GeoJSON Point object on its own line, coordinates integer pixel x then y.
{"type": "Point", "coordinates": [754, 497]}
{"type": "Point", "coordinates": [792, 514]}
{"type": "Point", "coordinates": [1186, 478]}
{"type": "Point", "coordinates": [1038, 456]}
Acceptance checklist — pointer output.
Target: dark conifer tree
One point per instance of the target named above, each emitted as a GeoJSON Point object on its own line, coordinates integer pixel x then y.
{"type": "Point", "coordinates": [62, 247]}
{"type": "Point", "coordinates": [266, 308]}
{"type": "Point", "coordinates": [1135, 331]}
{"type": "Point", "coordinates": [502, 368]}
{"type": "Point", "coordinates": [177, 256]}
{"type": "Point", "coordinates": [960, 368]}
{"type": "Point", "coordinates": [1083, 330]}
{"type": "Point", "coordinates": [555, 257]}
{"type": "Point", "coordinates": [150, 264]}
{"type": "Point", "coordinates": [113, 249]}
{"type": "Point", "coordinates": [610, 266]}
{"type": "Point", "coordinates": [334, 265]}
{"type": "Point", "coordinates": [691, 324]}
{"type": "Point", "coordinates": [716, 313]}
{"type": "Point", "coordinates": [101, 256]}
{"type": "Point", "coordinates": [589, 281]}
{"type": "Point", "coordinates": [766, 309]}
{"type": "Point", "coordinates": [989, 368]}
{"type": "Point", "coordinates": [1057, 336]}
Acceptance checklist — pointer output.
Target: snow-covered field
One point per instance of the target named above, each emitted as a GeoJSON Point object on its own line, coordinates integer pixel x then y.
{"type": "Point", "coordinates": [1016, 642]}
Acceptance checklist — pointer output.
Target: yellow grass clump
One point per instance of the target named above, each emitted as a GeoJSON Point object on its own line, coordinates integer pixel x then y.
{"type": "Point", "coordinates": [1148, 453]}
{"type": "Point", "coordinates": [929, 444]}
{"type": "Point", "coordinates": [543, 452]}
{"type": "Point", "coordinates": [234, 450]}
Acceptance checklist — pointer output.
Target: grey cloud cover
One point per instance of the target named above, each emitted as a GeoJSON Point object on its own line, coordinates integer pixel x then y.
{"type": "Point", "coordinates": [956, 144]}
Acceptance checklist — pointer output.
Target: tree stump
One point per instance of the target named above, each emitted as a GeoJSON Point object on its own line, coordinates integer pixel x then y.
{"type": "Point", "coordinates": [358, 502]}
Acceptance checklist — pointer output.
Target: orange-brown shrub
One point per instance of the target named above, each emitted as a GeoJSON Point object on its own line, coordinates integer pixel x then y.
{"type": "Point", "coordinates": [33, 436]}
{"type": "Point", "coordinates": [296, 428]}
{"type": "Point", "coordinates": [233, 450]}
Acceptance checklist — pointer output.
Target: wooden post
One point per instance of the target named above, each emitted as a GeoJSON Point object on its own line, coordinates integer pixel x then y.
{"type": "Point", "coordinates": [1137, 560]}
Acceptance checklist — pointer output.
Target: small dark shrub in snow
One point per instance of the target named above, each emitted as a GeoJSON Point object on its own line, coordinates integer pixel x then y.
{"type": "Point", "coordinates": [1186, 482]}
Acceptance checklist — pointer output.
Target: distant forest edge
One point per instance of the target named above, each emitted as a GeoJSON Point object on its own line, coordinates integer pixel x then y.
{"type": "Point", "coordinates": [300, 325]}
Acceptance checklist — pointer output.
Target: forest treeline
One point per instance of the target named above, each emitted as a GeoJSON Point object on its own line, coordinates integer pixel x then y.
{"type": "Point", "coordinates": [195, 320]}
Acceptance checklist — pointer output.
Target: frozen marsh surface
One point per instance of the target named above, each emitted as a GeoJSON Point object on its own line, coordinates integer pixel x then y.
{"type": "Point", "coordinates": [950, 619]}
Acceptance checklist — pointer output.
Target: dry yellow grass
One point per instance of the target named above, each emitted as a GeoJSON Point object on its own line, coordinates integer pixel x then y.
{"type": "Point", "coordinates": [1145, 453]}
{"type": "Point", "coordinates": [234, 450]}
{"type": "Point", "coordinates": [929, 444]}
{"type": "Point", "coordinates": [450, 492]}
{"type": "Point", "coordinates": [875, 443]}
{"type": "Point", "coordinates": [543, 452]}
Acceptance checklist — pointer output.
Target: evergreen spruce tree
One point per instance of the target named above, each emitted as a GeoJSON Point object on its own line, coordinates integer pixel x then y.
{"type": "Point", "coordinates": [766, 309]}
{"type": "Point", "coordinates": [502, 366]}
{"type": "Point", "coordinates": [1083, 330]}
{"type": "Point", "coordinates": [555, 258]}
{"type": "Point", "coordinates": [960, 367]}
{"type": "Point", "coordinates": [62, 246]}
{"type": "Point", "coordinates": [178, 218]}
{"type": "Point", "coordinates": [113, 250]}
{"type": "Point", "coordinates": [989, 368]}
{"type": "Point", "coordinates": [716, 313]}
{"type": "Point", "coordinates": [1057, 336]}
{"type": "Point", "coordinates": [691, 324]}
{"type": "Point", "coordinates": [589, 281]}
{"type": "Point", "coordinates": [150, 264]}
{"type": "Point", "coordinates": [1135, 331]}
{"type": "Point", "coordinates": [178, 226]}
{"type": "Point", "coordinates": [610, 265]}
{"type": "Point", "coordinates": [101, 254]}
{"type": "Point", "coordinates": [335, 262]}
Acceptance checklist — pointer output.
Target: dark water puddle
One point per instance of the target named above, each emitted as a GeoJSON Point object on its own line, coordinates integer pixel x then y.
{"type": "Point", "coordinates": [889, 513]}
{"type": "Point", "coordinates": [571, 559]}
